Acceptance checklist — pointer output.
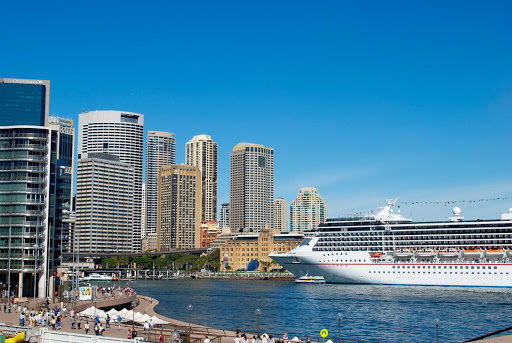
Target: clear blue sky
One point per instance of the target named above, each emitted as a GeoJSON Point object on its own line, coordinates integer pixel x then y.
{"type": "Point", "coordinates": [363, 100]}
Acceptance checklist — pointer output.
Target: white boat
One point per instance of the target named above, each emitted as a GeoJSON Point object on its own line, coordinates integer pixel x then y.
{"type": "Point", "coordinates": [455, 252]}
{"type": "Point", "coordinates": [99, 277]}
{"type": "Point", "coordinates": [310, 279]}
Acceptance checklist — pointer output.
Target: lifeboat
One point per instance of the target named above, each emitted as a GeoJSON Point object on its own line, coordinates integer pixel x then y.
{"type": "Point", "coordinates": [376, 255]}
{"type": "Point", "coordinates": [472, 252]}
{"type": "Point", "coordinates": [449, 252]}
{"type": "Point", "coordinates": [426, 253]}
{"type": "Point", "coordinates": [404, 253]}
{"type": "Point", "coordinates": [495, 252]}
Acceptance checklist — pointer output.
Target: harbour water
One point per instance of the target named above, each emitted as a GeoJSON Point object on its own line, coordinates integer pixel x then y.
{"type": "Point", "coordinates": [377, 313]}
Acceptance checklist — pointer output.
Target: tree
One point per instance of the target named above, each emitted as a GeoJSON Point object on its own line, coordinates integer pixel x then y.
{"type": "Point", "coordinates": [228, 267]}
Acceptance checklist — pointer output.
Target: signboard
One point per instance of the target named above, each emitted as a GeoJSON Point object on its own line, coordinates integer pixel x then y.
{"type": "Point", "coordinates": [85, 293]}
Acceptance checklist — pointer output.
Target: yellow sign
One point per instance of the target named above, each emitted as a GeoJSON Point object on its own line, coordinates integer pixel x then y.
{"type": "Point", "coordinates": [324, 333]}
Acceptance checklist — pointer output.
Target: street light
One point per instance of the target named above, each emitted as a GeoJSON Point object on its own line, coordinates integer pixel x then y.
{"type": "Point", "coordinates": [258, 312]}
{"type": "Point", "coordinates": [437, 322]}
{"type": "Point", "coordinates": [340, 317]}
{"type": "Point", "coordinates": [133, 303]}
{"type": "Point", "coordinates": [189, 308]}
{"type": "Point", "coordinates": [35, 269]}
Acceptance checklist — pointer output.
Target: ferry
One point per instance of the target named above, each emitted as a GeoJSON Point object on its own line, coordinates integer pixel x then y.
{"type": "Point", "coordinates": [318, 280]}
{"type": "Point", "coordinates": [389, 249]}
{"type": "Point", "coordinates": [101, 277]}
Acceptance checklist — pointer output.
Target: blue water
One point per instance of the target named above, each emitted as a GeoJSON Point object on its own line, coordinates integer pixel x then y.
{"type": "Point", "coordinates": [376, 313]}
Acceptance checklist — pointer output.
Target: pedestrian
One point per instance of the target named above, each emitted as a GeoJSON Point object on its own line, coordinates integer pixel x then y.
{"type": "Point", "coordinates": [146, 328]}
{"type": "Point", "coordinates": [54, 322]}
{"type": "Point", "coordinates": [101, 329]}
{"type": "Point", "coordinates": [119, 319]}
{"type": "Point", "coordinates": [134, 334]}
{"type": "Point", "coordinates": [206, 339]}
{"type": "Point", "coordinates": [271, 339]}
{"type": "Point", "coordinates": [161, 338]}
{"type": "Point", "coordinates": [97, 329]}
{"type": "Point", "coordinates": [79, 324]}
{"type": "Point", "coordinates": [129, 335]}
{"type": "Point", "coordinates": [253, 339]}
{"type": "Point", "coordinates": [97, 319]}
{"type": "Point", "coordinates": [107, 323]}
{"type": "Point", "coordinates": [151, 325]}
{"type": "Point", "coordinates": [86, 327]}
{"type": "Point", "coordinates": [258, 339]}
{"type": "Point", "coordinates": [5, 308]}
{"type": "Point", "coordinates": [264, 338]}
{"type": "Point", "coordinates": [72, 323]}
{"type": "Point", "coordinates": [22, 319]}
{"type": "Point", "coordinates": [237, 339]}
{"type": "Point", "coordinates": [308, 340]}
{"type": "Point", "coordinates": [285, 337]}
{"type": "Point", "coordinates": [237, 332]}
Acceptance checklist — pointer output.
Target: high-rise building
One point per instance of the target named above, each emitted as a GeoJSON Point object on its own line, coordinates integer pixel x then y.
{"type": "Point", "coordinates": [224, 215]}
{"type": "Point", "coordinates": [307, 211]}
{"type": "Point", "coordinates": [24, 102]}
{"type": "Point", "coordinates": [121, 134]}
{"type": "Point", "coordinates": [179, 208]}
{"type": "Point", "coordinates": [201, 151]}
{"type": "Point", "coordinates": [36, 163]}
{"type": "Point", "coordinates": [251, 187]}
{"type": "Point", "coordinates": [160, 151]}
{"type": "Point", "coordinates": [143, 217]}
{"type": "Point", "coordinates": [280, 215]}
{"type": "Point", "coordinates": [104, 204]}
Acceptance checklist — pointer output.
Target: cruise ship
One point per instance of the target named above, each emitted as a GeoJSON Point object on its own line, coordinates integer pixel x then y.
{"type": "Point", "coordinates": [389, 249]}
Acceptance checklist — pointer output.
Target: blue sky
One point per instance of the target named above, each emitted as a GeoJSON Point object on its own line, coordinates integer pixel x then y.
{"type": "Point", "coordinates": [363, 100]}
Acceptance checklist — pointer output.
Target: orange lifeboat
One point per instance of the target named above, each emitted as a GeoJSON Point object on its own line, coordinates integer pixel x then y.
{"type": "Point", "coordinates": [425, 252]}
{"type": "Point", "coordinates": [449, 252]}
{"type": "Point", "coordinates": [375, 255]}
{"type": "Point", "coordinates": [404, 253]}
{"type": "Point", "coordinates": [472, 252]}
{"type": "Point", "coordinates": [495, 252]}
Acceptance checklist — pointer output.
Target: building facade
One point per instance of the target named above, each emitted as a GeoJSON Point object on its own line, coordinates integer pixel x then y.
{"type": "Point", "coordinates": [143, 221]}
{"type": "Point", "coordinates": [307, 211]}
{"type": "Point", "coordinates": [179, 208]}
{"type": "Point", "coordinates": [201, 151]}
{"type": "Point", "coordinates": [224, 216]}
{"type": "Point", "coordinates": [160, 151]}
{"type": "Point", "coordinates": [36, 163]}
{"type": "Point", "coordinates": [280, 215]}
{"type": "Point", "coordinates": [251, 189]}
{"type": "Point", "coordinates": [104, 205]}
{"type": "Point", "coordinates": [238, 252]}
{"type": "Point", "coordinates": [121, 134]}
{"type": "Point", "coordinates": [209, 233]}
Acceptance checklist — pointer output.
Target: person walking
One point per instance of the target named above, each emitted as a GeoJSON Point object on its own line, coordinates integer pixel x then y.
{"type": "Point", "coordinates": [22, 319]}
{"type": "Point", "coordinates": [86, 327]}
{"type": "Point", "coordinates": [79, 324]}
{"type": "Point", "coordinates": [285, 337]}
{"type": "Point", "coordinates": [73, 323]}
{"type": "Point", "coordinates": [107, 323]}
{"type": "Point", "coordinates": [119, 319]}
{"type": "Point", "coordinates": [54, 321]}
{"type": "Point", "coordinates": [101, 329]}
{"type": "Point", "coordinates": [129, 335]}
{"type": "Point", "coordinates": [237, 339]}
{"type": "Point", "coordinates": [161, 338]}
{"type": "Point", "coordinates": [97, 329]}
{"type": "Point", "coordinates": [206, 339]}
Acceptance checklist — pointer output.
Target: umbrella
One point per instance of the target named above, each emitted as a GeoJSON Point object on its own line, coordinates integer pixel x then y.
{"type": "Point", "coordinates": [112, 312]}
{"type": "Point", "coordinates": [296, 339]}
{"type": "Point", "coordinates": [158, 320]}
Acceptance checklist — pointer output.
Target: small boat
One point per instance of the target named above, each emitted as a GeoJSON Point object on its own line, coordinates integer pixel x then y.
{"type": "Point", "coordinates": [495, 252]}
{"type": "Point", "coordinates": [98, 277]}
{"type": "Point", "coordinates": [472, 252]}
{"type": "Point", "coordinates": [448, 253]}
{"type": "Point", "coordinates": [311, 279]}
{"type": "Point", "coordinates": [426, 253]}
{"type": "Point", "coordinates": [376, 255]}
{"type": "Point", "coordinates": [404, 253]}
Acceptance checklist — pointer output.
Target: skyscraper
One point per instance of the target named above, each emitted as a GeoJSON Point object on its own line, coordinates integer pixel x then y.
{"type": "Point", "coordinates": [224, 216]}
{"type": "Point", "coordinates": [280, 215]}
{"type": "Point", "coordinates": [307, 211]}
{"type": "Point", "coordinates": [36, 163]}
{"type": "Point", "coordinates": [121, 134]}
{"type": "Point", "coordinates": [104, 204]}
{"type": "Point", "coordinates": [251, 187]}
{"type": "Point", "coordinates": [201, 151]}
{"type": "Point", "coordinates": [160, 151]}
{"type": "Point", "coordinates": [179, 208]}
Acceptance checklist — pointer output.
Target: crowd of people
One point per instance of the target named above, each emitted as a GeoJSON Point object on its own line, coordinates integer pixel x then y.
{"type": "Point", "coordinates": [241, 337]}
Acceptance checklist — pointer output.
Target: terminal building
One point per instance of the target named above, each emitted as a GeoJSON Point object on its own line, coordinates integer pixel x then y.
{"type": "Point", "coordinates": [237, 253]}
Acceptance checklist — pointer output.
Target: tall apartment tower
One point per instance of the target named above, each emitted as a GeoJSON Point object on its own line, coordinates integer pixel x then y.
{"type": "Point", "coordinates": [251, 187]}
{"type": "Point", "coordinates": [160, 151]}
{"type": "Point", "coordinates": [104, 204]}
{"type": "Point", "coordinates": [201, 151]}
{"type": "Point", "coordinates": [121, 134]}
{"type": "Point", "coordinates": [280, 215]}
{"type": "Point", "coordinates": [36, 163]}
{"type": "Point", "coordinates": [179, 208]}
{"type": "Point", "coordinates": [307, 211]}
{"type": "Point", "coordinates": [224, 215]}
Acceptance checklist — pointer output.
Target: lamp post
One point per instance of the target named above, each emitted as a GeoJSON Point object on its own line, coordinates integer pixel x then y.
{"type": "Point", "coordinates": [437, 322]}
{"type": "Point", "coordinates": [189, 308]}
{"type": "Point", "coordinates": [340, 317]}
{"type": "Point", "coordinates": [133, 303]}
{"type": "Point", "coordinates": [35, 269]}
{"type": "Point", "coordinates": [258, 312]}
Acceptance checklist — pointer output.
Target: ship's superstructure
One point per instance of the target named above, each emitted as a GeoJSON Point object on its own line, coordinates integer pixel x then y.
{"type": "Point", "coordinates": [387, 248]}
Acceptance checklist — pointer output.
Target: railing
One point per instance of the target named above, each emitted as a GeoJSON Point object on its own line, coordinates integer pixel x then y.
{"type": "Point", "coordinates": [22, 135]}
{"type": "Point", "coordinates": [50, 336]}
{"type": "Point", "coordinates": [23, 146]}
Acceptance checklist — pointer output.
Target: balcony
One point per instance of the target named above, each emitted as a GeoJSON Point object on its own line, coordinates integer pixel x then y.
{"type": "Point", "coordinates": [22, 168]}
{"type": "Point", "coordinates": [31, 147]}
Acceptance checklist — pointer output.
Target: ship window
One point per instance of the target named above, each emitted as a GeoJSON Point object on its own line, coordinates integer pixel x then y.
{"type": "Point", "coordinates": [495, 267]}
